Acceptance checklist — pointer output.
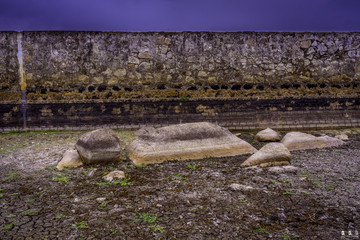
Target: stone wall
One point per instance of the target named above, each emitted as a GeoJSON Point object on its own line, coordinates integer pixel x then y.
{"type": "Point", "coordinates": [104, 68]}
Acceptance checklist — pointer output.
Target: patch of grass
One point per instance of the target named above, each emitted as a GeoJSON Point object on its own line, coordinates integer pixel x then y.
{"type": "Point", "coordinates": [157, 228]}
{"type": "Point", "coordinates": [11, 216]}
{"type": "Point", "coordinates": [13, 148]}
{"type": "Point", "coordinates": [192, 166]}
{"type": "Point", "coordinates": [51, 167]}
{"type": "Point", "coordinates": [286, 181]}
{"type": "Point", "coordinates": [81, 225]}
{"type": "Point", "coordinates": [41, 193]}
{"type": "Point", "coordinates": [86, 172]}
{"type": "Point", "coordinates": [14, 132]}
{"type": "Point", "coordinates": [106, 171]}
{"type": "Point", "coordinates": [274, 182]}
{"type": "Point", "coordinates": [289, 192]}
{"type": "Point", "coordinates": [148, 217]}
{"type": "Point", "coordinates": [15, 194]}
{"type": "Point", "coordinates": [31, 200]}
{"type": "Point", "coordinates": [103, 204]}
{"type": "Point", "coordinates": [243, 200]}
{"type": "Point", "coordinates": [286, 237]}
{"type": "Point", "coordinates": [113, 231]}
{"type": "Point", "coordinates": [350, 179]}
{"type": "Point", "coordinates": [10, 176]}
{"type": "Point", "coordinates": [64, 179]}
{"type": "Point", "coordinates": [7, 227]}
{"type": "Point", "coordinates": [1, 195]}
{"type": "Point", "coordinates": [30, 211]}
{"type": "Point", "coordinates": [316, 184]}
{"type": "Point", "coordinates": [330, 187]}
{"type": "Point", "coordinates": [63, 216]}
{"type": "Point", "coordinates": [260, 230]}
{"type": "Point", "coordinates": [121, 182]}
{"type": "Point", "coordinates": [212, 162]}
{"type": "Point", "coordinates": [347, 188]}
{"type": "Point", "coordinates": [179, 177]}
{"type": "Point", "coordinates": [143, 165]}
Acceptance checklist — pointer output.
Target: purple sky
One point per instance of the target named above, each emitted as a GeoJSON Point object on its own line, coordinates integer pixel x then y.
{"type": "Point", "coordinates": [181, 15]}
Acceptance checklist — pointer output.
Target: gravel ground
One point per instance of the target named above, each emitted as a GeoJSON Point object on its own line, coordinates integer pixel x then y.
{"type": "Point", "coordinates": [317, 198]}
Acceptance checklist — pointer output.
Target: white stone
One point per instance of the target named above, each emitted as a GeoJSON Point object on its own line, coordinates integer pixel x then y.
{"type": "Point", "coordinates": [267, 135]}
{"type": "Point", "coordinates": [239, 187]}
{"type": "Point", "coordinates": [342, 136]}
{"type": "Point", "coordinates": [114, 174]}
{"type": "Point", "coordinates": [71, 159]}
{"type": "Point", "coordinates": [302, 141]}
{"type": "Point", "coordinates": [100, 199]}
{"type": "Point", "coordinates": [275, 153]}
{"type": "Point", "coordinates": [283, 169]}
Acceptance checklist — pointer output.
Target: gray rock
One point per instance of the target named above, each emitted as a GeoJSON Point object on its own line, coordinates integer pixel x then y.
{"type": "Point", "coordinates": [267, 135]}
{"type": "Point", "coordinates": [283, 169]}
{"type": "Point", "coordinates": [185, 141]}
{"type": "Point", "coordinates": [114, 174]}
{"type": "Point", "coordinates": [239, 187]}
{"type": "Point", "coordinates": [71, 159]}
{"type": "Point", "coordinates": [342, 136]}
{"type": "Point", "coordinates": [144, 66]}
{"type": "Point", "coordinates": [302, 141]}
{"type": "Point", "coordinates": [270, 155]}
{"type": "Point", "coordinates": [305, 44]}
{"type": "Point", "coordinates": [101, 145]}
{"type": "Point", "coordinates": [100, 199]}
{"type": "Point", "coordinates": [134, 60]}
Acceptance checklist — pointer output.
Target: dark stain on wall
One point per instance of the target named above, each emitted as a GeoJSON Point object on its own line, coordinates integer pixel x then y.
{"type": "Point", "coordinates": [301, 112]}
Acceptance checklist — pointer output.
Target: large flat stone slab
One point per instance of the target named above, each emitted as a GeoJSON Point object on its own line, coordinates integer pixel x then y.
{"type": "Point", "coordinates": [184, 142]}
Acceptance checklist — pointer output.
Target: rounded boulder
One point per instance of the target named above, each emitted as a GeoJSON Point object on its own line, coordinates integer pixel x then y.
{"type": "Point", "coordinates": [98, 146]}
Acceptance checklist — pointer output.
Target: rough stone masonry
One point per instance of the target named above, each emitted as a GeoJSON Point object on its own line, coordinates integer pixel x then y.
{"type": "Point", "coordinates": [162, 78]}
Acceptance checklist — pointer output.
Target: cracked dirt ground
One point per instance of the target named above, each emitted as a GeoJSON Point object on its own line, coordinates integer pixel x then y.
{"type": "Point", "coordinates": [176, 200]}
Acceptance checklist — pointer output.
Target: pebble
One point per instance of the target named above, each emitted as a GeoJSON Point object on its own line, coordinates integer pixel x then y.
{"type": "Point", "coordinates": [237, 187]}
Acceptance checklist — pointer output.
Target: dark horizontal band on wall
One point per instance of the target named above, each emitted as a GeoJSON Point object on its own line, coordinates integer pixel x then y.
{"type": "Point", "coordinates": [286, 113]}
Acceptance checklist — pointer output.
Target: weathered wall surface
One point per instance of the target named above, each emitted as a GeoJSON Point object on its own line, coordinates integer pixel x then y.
{"type": "Point", "coordinates": [9, 67]}
{"type": "Point", "coordinates": [103, 68]}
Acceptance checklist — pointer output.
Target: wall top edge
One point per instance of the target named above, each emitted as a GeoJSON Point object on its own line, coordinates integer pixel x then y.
{"type": "Point", "coordinates": [176, 32]}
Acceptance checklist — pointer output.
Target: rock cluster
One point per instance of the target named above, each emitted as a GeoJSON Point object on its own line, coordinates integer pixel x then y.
{"type": "Point", "coordinates": [98, 146]}
{"type": "Point", "coordinates": [189, 141]}
{"type": "Point", "coordinates": [277, 154]}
